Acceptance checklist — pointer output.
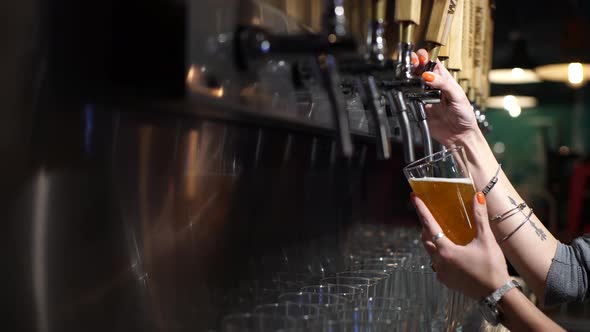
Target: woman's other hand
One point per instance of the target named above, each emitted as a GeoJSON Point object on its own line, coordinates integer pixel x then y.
{"type": "Point", "coordinates": [476, 269]}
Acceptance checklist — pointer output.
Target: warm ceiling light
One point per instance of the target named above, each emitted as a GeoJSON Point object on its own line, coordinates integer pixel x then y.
{"type": "Point", "coordinates": [573, 65]}
{"type": "Point", "coordinates": [515, 75]}
{"type": "Point", "coordinates": [518, 67]}
{"type": "Point", "coordinates": [575, 73]}
{"type": "Point", "coordinates": [511, 101]}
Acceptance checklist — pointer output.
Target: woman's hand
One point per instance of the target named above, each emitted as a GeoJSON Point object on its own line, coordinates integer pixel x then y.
{"type": "Point", "coordinates": [476, 269]}
{"type": "Point", "coordinates": [453, 119]}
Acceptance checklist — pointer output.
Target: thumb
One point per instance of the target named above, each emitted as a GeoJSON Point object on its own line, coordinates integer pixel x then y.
{"type": "Point", "coordinates": [480, 214]}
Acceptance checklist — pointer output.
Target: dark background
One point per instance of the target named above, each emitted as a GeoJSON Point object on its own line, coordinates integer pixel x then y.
{"type": "Point", "coordinates": [99, 49]}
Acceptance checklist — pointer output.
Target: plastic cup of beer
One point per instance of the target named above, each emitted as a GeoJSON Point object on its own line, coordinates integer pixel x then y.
{"type": "Point", "coordinates": [444, 184]}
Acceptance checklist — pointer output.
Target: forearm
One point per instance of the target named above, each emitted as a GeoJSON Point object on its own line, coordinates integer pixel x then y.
{"type": "Point", "coordinates": [531, 248]}
{"type": "Point", "coordinates": [519, 314]}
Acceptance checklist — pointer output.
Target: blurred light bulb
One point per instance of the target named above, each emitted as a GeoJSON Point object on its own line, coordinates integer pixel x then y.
{"type": "Point", "coordinates": [510, 102]}
{"type": "Point", "coordinates": [512, 106]}
{"type": "Point", "coordinates": [499, 147]}
{"type": "Point", "coordinates": [514, 112]}
{"type": "Point", "coordinates": [575, 73]}
{"type": "Point", "coordinates": [517, 73]}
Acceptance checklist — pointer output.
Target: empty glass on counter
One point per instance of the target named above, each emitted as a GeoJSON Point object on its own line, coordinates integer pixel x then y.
{"type": "Point", "coordinates": [382, 281]}
{"type": "Point", "coordinates": [349, 292]}
{"type": "Point", "coordinates": [331, 303]}
{"type": "Point", "coordinates": [369, 286]}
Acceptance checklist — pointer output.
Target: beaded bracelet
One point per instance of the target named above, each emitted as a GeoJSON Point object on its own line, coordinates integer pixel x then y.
{"type": "Point", "coordinates": [492, 182]}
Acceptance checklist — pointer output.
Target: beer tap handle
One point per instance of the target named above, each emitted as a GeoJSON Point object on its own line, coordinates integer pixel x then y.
{"type": "Point", "coordinates": [481, 8]}
{"type": "Point", "coordinates": [439, 27]}
{"type": "Point", "coordinates": [407, 15]}
{"type": "Point", "coordinates": [330, 79]}
{"type": "Point", "coordinates": [370, 97]}
{"type": "Point", "coordinates": [487, 54]}
{"type": "Point", "coordinates": [466, 73]}
{"type": "Point", "coordinates": [455, 44]}
{"type": "Point", "coordinates": [398, 106]}
{"type": "Point", "coordinates": [420, 114]}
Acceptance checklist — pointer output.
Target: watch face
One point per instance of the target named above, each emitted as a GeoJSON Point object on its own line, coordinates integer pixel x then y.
{"type": "Point", "coordinates": [489, 312]}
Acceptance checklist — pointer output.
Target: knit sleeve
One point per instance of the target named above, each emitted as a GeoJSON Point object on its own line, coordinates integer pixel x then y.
{"type": "Point", "coordinates": [567, 280]}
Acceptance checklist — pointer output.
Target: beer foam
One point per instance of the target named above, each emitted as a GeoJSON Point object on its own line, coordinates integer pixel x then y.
{"type": "Point", "coordinates": [447, 180]}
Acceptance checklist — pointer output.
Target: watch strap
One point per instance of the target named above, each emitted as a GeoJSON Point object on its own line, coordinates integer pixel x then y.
{"type": "Point", "coordinates": [489, 305]}
{"type": "Point", "coordinates": [498, 293]}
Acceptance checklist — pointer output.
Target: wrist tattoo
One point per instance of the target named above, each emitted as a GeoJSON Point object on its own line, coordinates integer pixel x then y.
{"type": "Point", "coordinates": [540, 233]}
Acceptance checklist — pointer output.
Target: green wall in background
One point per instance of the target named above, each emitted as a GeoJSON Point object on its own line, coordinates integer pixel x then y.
{"type": "Point", "coordinates": [525, 140]}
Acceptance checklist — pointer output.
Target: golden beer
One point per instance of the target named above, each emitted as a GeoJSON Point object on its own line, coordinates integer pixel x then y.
{"type": "Point", "coordinates": [451, 203]}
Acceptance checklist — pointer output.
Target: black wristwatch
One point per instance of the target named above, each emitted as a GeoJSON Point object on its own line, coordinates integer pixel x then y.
{"type": "Point", "coordinates": [489, 305]}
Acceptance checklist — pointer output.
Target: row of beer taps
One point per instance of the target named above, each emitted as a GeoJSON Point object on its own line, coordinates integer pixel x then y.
{"type": "Point", "coordinates": [388, 86]}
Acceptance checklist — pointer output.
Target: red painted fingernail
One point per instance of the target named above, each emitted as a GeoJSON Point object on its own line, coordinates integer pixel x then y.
{"type": "Point", "coordinates": [414, 61]}
{"type": "Point", "coordinates": [481, 198]}
{"type": "Point", "coordinates": [428, 76]}
{"type": "Point", "coordinates": [423, 59]}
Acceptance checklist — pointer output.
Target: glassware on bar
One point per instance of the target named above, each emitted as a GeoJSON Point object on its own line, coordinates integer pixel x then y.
{"type": "Point", "coordinates": [350, 293]}
{"type": "Point", "coordinates": [369, 286]}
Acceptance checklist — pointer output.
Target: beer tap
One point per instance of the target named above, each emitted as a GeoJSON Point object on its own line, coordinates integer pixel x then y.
{"type": "Point", "coordinates": [334, 27]}
{"type": "Point", "coordinates": [376, 50]}
{"type": "Point", "coordinates": [417, 102]}
{"type": "Point", "coordinates": [330, 81]}
{"type": "Point", "coordinates": [255, 43]}
{"type": "Point", "coordinates": [414, 93]}
{"type": "Point", "coordinates": [396, 101]}
{"type": "Point", "coordinates": [363, 71]}
{"type": "Point", "coordinates": [371, 98]}
{"type": "Point", "coordinates": [413, 96]}
{"type": "Point", "coordinates": [407, 15]}
{"type": "Point", "coordinates": [439, 27]}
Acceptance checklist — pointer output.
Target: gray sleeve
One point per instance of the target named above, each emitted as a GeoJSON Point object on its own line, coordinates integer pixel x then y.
{"type": "Point", "coordinates": [567, 279]}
